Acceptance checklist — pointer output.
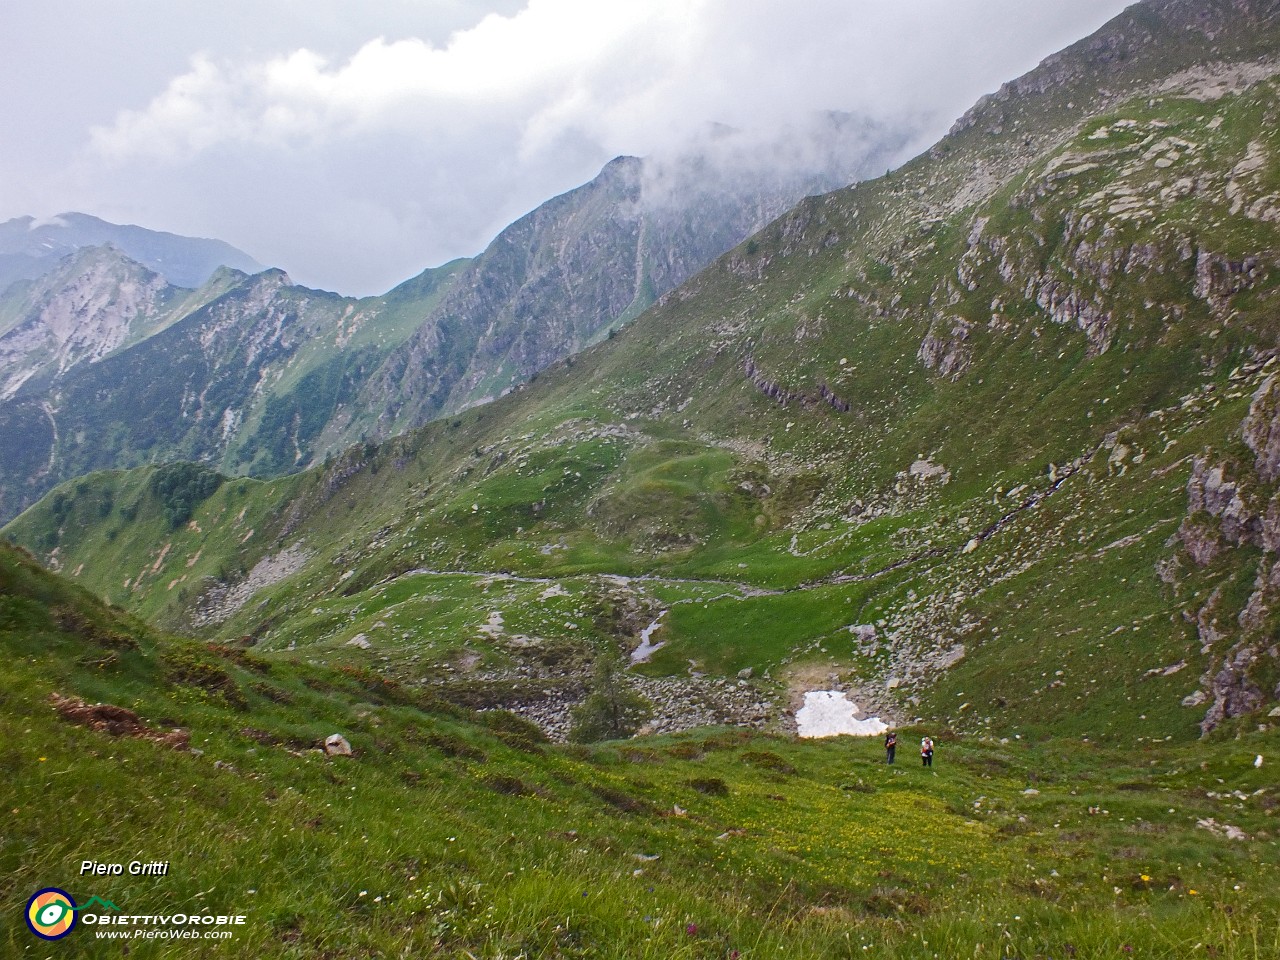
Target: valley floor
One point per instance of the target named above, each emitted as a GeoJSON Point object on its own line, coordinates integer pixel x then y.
{"type": "Point", "coordinates": [459, 834]}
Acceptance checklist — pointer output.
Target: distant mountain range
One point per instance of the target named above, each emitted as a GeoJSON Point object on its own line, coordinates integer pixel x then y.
{"type": "Point", "coordinates": [30, 248]}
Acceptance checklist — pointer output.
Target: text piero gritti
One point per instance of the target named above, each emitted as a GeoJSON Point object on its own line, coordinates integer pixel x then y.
{"type": "Point", "coordinates": [135, 868]}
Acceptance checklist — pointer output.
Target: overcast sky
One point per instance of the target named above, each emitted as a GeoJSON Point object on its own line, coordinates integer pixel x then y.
{"type": "Point", "coordinates": [355, 143]}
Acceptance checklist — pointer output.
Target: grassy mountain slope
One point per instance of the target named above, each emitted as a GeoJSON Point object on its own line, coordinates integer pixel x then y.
{"type": "Point", "coordinates": [950, 436]}
{"type": "Point", "coordinates": [721, 844]}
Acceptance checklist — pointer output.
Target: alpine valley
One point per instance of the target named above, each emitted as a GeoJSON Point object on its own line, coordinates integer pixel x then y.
{"type": "Point", "coordinates": [472, 620]}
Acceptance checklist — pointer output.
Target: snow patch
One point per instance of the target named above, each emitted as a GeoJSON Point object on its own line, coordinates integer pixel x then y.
{"type": "Point", "coordinates": [829, 713]}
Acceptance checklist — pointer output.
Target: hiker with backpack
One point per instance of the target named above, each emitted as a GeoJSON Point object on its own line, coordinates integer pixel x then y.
{"type": "Point", "coordinates": [890, 746]}
{"type": "Point", "coordinates": [926, 752]}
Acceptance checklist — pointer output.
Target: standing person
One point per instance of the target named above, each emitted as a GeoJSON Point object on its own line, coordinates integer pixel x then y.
{"type": "Point", "coordinates": [890, 746]}
{"type": "Point", "coordinates": [926, 752]}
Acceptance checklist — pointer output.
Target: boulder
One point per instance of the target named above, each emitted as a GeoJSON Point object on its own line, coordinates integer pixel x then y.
{"type": "Point", "coordinates": [336, 745]}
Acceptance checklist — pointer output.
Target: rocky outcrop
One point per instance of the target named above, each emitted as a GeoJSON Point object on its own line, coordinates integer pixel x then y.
{"type": "Point", "coordinates": [1227, 510]}
{"type": "Point", "coordinates": [1216, 514]}
{"type": "Point", "coordinates": [1229, 685]}
{"type": "Point", "coordinates": [1066, 305]}
{"type": "Point", "coordinates": [1200, 540]}
{"type": "Point", "coordinates": [833, 400]}
{"type": "Point", "coordinates": [785, 395]}
{"type": "Point", "coordinates": [770, 388]}
{"type": "Point", "coordinates": [1261, 430]}
{"type": "Point", "coordinates": [1232, 688]}
{"type": "Point", "coordinates": [1218, 279]}
{"type": "Point", "coordinates": [947, 354]}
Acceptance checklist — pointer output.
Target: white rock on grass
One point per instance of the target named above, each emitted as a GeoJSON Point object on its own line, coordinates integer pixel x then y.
{"type": "Point", "coordinates": [336, 745]}
{"type": "Point", "coordinates": [1222, 829]}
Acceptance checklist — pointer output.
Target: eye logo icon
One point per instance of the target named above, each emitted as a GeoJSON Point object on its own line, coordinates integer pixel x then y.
{"type": "Point", "coordinates": [51, 913]}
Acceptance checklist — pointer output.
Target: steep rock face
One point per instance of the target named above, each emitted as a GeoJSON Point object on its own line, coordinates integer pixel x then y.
{"type": "Point", "coordinates": [96, 302]}
{"type": "Point", "coordinates": [109, 366]}
{"type": "Point", "coordinates": [184, 392]}
{"type": "Point", "coordinates": [191, 370]}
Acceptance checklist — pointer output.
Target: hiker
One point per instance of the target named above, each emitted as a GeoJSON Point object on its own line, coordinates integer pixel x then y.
{"type": "Point", "coordinates": [890, 746]}
{"type": "Point", "coordinates": [926, 752]}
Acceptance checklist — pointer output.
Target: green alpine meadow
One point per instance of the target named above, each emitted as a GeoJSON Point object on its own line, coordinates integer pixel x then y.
{"type": "Point", "coordinates": [444, 649]}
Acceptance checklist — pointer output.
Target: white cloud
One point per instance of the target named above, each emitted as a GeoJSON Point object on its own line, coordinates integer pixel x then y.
{"type": "Point", "coordinates": [548, 65]}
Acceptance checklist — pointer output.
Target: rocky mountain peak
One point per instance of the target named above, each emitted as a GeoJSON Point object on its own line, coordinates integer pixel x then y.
{"type": "Point", "coordinates": [92, 303]}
